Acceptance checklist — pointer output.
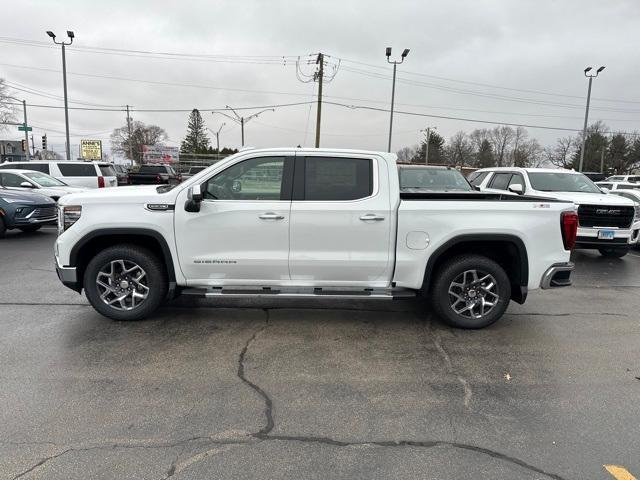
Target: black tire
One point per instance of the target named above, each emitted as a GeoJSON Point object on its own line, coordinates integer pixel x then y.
{"type": "Point", "coordinates": [613, 252]}
{"type": "Point", "coordinates": [3, 229]}
{"type": "Point", "coordinates": [30, 228]}
{"type": "Point", "coordinates": [453, 270]}
{"type": "Point", "coordinates": [155, 280]}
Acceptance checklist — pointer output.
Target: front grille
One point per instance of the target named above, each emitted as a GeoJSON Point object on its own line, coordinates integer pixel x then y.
{"type": "Point", "coordinates": [605, 216]}
{"type": "Point", "coordinates": [44, 213]}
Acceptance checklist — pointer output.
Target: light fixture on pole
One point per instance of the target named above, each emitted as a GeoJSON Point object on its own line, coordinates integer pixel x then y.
{"type": "Point", "coordinates": [395, 63]}
{"type": "Point", "coordinates": [590, 76]}
{"type": "Point", "coordinates": [240, 120]}
{"type": "Point", "coordinates": [64, 81]}
{"type": "Point", "coordinates": [427, 134]}
{"type": "Point", "coordinates": [217, 134]}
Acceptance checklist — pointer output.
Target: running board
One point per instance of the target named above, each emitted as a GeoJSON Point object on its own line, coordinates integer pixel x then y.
{"type": "Point", "coordinates": [301, 292]}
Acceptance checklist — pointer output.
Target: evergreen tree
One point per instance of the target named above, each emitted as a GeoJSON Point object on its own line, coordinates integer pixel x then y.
{"type": "Point", "coordinates": [485, 157]}
{"type": "Point", "coordinates": [196, 140]}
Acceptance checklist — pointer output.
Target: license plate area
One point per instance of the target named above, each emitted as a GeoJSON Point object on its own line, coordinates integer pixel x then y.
{"type": "Point", "coordinates": [606, 234]}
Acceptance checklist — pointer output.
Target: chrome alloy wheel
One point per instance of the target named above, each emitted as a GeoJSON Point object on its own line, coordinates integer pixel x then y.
{"type": "Point", "coordinates": [473, 294]}
{"type": "Point", "coordinates": [122, 284]}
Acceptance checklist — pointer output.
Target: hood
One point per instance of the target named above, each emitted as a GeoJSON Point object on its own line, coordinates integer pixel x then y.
{"type": "Point", "coordinates": [24, 197]}
{"type": "Point", "coordinates": [588, 198]}
{"type": "Point", "coordinates": [65, 189]}
{"type": "Point", "coordinates": [133, 194]}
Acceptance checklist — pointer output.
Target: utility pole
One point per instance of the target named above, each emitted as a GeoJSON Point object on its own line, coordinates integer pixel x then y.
{"type": "Point", "coordinates": [320, 75]}
{"type": "Point", "coordinates": [129, 135]}
{"type": "Point", "coordinates": [602, 160]}
{"type": "Point", "coordinates": [393, 87]}
{"type": "Point", "coordinates": [33, 146]}
{"type": "Point", "coordinates": [427, 133]}
{"type": "Point", "coordinates": [320, 62]}
{"type": "Point", "coordinates": [26, 132]}
{"type": "Point", "coordinates": [64, 81]}
{"type": "Point", "coordinates": [217, 134]}
{"type": "Point", "coordinates": [586, 113]}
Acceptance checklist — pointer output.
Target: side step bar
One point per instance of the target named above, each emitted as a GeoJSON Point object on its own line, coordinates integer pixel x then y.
{"type": "Point", "coordinates": [301, 292]}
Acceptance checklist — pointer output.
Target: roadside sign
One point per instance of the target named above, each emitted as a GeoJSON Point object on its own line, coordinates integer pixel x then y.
{"type": "Point", "coordinates": [22, 128]}
{"type": "Point", "coordinates": [91, 149]}
{"type": "Point", "coordinates": [160, 154]}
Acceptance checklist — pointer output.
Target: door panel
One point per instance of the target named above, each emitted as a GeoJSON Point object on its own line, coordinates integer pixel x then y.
{"type": "Point", "coordinates": [241, 233]}
{"type": "Point", "coordinates": [340, 242]}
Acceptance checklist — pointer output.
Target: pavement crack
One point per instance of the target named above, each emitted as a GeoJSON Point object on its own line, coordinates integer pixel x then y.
{"type": "Point", "coordinates": [41, 462]}
{"type": "Point", "coordinates": [468, 392]}
{"type": "Point", "coordinates": [268, 403]}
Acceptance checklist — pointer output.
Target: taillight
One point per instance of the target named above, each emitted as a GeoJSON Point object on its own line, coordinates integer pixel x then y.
{"type": "Point", "coordinates": [100, 182]}
{"type": "Point", "coordinates": [569, 227]}
{"type": "Point", "coordinates": [158, 178]}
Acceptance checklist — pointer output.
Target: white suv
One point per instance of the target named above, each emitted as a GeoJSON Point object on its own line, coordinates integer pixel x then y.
{"type": "Point", "coordinates": [604, 220]}
{"type": "Point", "coordinates": [75, 174]}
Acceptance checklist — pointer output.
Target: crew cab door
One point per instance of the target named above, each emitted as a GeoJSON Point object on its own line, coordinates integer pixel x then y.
{"type": "Point", "coordinates": [341, 219]}
{"type": "Point", "coordinates": [240, 236]}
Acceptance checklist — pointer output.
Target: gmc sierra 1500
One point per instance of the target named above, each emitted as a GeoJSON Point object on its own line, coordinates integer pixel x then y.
{"type": "Point", "coordinates": [311, 222]}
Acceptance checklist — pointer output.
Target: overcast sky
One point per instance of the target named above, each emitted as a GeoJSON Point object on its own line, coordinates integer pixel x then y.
{"type": "Point", "coordinates": [497, 61]}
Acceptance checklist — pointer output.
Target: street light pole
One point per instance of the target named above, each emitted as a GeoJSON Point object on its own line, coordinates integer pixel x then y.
{"type": "Point", "coordinates": [217, 134]}
{"type": "Point", "coordinates": [395, 63]}
{"type": "Point", "coordinates": [586, 113]}
{"type": "Point", "coordinates": [26, 133]}
{"type": "Point", "coordinates": [240, 120]}
{"type": "Point", "coordinates": [64, 81]}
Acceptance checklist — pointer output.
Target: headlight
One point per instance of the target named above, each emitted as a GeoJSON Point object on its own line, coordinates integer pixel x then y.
{"type": "Point", "coordinates": [636, 207]}
{"type": "Point", "coordinates": [67, 216]}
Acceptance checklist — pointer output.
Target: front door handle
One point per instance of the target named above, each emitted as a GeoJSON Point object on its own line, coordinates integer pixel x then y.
{"type": "Point", "coordinates": [271, 216]}
{"type": "Point", "coordinates": [371, 217]}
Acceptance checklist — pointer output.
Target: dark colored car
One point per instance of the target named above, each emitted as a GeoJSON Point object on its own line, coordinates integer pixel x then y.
{"type": "Point", "coordinates": [122, 174]}
{"type": "Point", "coordinates": [155, 174]}
{"type": "Point", "coordinates": [417, 178]}
{"type": "Point", "coordinates": [25, 211]}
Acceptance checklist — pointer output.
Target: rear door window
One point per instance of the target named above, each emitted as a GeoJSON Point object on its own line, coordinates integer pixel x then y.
{"type": "Point", "coordinates": [107, 170]}
{"type": "Point", "coordinates": [77, 169]}
{"type": "Point", "coordinates": [500, 181]}
{"type": "Point", "coordinates": [333, 178]}
{"type": "Point", "coordinates": [516, 178]}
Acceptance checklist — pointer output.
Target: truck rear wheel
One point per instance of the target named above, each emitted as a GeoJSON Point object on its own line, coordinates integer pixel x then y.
{"type": "Point", "coordinates": [125, 282]}
{"type": "Point", "coordinates": [470, 291]}
{"type": "Point", "coordinates": [613, 252]}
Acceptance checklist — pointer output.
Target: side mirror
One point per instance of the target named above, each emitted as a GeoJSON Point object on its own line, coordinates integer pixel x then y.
{"type": "Point", "coordinates": [27, 185]}
{"type": "Point", "coordinates": [236, 186]}
{"type": "Point", "coordinates": [516, 188]}
{"type": "Point", "coordinates": [194, 199]}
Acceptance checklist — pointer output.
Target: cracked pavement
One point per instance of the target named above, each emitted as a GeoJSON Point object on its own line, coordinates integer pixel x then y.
{"type": "Point", "coordinates": [293, 389]}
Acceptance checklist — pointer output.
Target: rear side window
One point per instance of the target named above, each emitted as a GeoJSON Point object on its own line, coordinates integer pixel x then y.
{"type": "Point", "coordinates": [152, 169]}
{"type": "Point", "coordinates": [500, 181]}
{"type": "Point", "coordinates": [328, 178]}
{"type": "Point", "coordinates": [476, 178]}
{"type": "Point", "coordinates": [37, 167]}
{"type": "Point", "coordinates": [107, 170]}
{"type": "Point", "coordinates": [77, 169]}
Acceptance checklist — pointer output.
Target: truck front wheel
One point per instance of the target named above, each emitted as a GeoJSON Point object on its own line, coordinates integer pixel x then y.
{"type": "Point", "coordinates": [125, 282]}
{"type": "Point", "coordinates": [470, 291]}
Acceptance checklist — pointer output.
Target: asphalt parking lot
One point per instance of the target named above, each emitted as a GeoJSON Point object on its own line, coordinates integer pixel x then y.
{"type": "Point", "coordinates": [259, 389]}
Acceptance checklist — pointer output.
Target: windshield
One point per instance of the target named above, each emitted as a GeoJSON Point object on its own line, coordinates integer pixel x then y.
{"type": "Point", "coordinates": [562, 182]}
{"type": "Point", "coordinates": [44, 180]}
{"type": "Point", "coordinates": [433, 179]}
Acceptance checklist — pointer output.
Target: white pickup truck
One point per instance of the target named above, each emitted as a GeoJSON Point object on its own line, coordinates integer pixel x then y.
{"type": "Point", "coordinates": [311, 222]}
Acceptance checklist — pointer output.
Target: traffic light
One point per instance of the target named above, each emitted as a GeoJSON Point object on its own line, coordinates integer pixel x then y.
{"type": "Point", "coordinates": [24, 146]}
{"type": "Point", "coordinates": [44, 141]}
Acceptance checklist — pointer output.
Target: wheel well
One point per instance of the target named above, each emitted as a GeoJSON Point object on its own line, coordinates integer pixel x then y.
{"type": "Point", "coordinates": [509, 253]}
{"type": "Point", "coordinates": [84, 252]}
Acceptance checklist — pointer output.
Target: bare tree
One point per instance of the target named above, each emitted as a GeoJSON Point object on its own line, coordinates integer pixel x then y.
{"type": "Point", "coordinates": [141, 134]}
{"type": "Point", "coordinates": [561, 155]}
{"type": "Point", "coordinates": [460, 149]}
{"type": "Point", "coordinates": [7, 109]}
{"type": "Point", "coordinates": [501, 139]}
{"type": "Point", "coordinates": [407, 153]}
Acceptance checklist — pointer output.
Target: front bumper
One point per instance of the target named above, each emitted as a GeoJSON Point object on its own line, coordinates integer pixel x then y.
{"type": "Point", "coordinates": [69, 277]}
{"type": "Point", "coordinates": [22, 222]}
{"type": "Point", "coordinates": [558, 275]}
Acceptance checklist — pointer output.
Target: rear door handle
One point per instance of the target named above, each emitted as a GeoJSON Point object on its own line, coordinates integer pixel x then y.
{"type": "Point", "coordinates": [271, 216]}
{"type": "Point", "coordinates": [371, 217]}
